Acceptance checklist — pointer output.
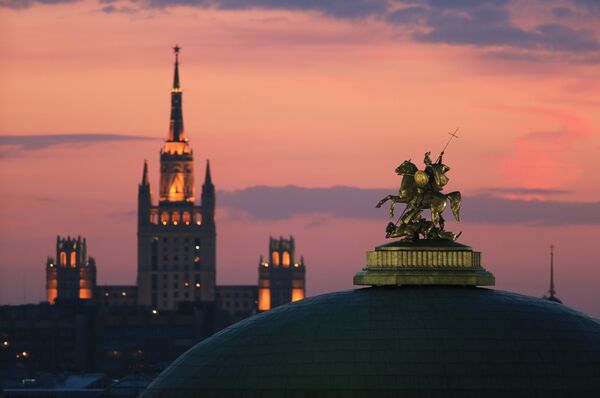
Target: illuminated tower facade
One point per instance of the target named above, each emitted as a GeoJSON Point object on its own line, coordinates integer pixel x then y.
{"type": "Point", "coordinates": [281, 279]}
{"type": "Point", "coordinates": [72, 275]}
{"type": "Point", "coordinates": [176, 236]}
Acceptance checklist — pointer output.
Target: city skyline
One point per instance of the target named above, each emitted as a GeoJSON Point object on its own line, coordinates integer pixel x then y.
{"type": "Point", "coordinates": [338, 104]}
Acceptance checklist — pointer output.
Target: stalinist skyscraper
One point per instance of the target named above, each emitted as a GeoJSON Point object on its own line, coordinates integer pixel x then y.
{"type": "Point", "coordinates": [176, 237]}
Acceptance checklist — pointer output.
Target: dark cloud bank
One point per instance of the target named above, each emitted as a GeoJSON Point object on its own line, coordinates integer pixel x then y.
{"type": "Point", "coordinates": [42, 141]}
{"type": "Point", "coordinates": [482, 23]}
{"type": "Point", "coordinates": [276, 203]}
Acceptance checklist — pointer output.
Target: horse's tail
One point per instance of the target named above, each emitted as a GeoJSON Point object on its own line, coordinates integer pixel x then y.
{"type": "Point", "coordinates": [455, 198]}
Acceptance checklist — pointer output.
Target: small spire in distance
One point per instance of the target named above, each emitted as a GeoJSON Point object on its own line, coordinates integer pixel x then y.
{"type": "Point", "coordinates": [551, 291]}
{"type": "Point", "coordinates": [208, 177]}
{"type": "Point", "coordinates": [145, 180]}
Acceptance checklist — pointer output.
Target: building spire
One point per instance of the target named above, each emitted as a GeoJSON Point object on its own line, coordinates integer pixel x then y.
{"type": "Point", "coordinates": [208, 176]}
{"type": "Point", "coordinates": [145, 180]}
{"type": "Point", "coordinates": [176, 132]}
{"type": "Point", "coordinates": [551, 291]}
{"type": "Point", "coordinates": [176, 86]}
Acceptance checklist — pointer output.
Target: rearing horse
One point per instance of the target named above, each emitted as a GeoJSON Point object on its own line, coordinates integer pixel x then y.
{"type": "Point", "coordinates": [432, 200]}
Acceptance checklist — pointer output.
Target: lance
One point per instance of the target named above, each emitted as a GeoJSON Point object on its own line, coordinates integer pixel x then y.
{"type": "Point", "coordinates": [452, 135]}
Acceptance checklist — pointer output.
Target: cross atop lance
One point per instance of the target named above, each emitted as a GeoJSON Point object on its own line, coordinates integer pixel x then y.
{"type": "Point", "coordinates": [452, 135]}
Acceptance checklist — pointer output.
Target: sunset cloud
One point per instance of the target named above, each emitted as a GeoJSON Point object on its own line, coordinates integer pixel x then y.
{"type": "Point", "coordinates": [484, 23]}
{"type": "Point", "coordinates": [43, 141]}
{"type": "Point", "coordinates": [276, 203]}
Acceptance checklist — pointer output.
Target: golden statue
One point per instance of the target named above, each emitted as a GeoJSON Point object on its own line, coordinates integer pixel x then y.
{"type": "Point", "coordinates": [420, 190]}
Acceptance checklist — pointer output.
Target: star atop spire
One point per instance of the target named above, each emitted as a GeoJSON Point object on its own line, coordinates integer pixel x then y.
{"type": "Point", "coordinates": [176, 86]}
{"type": "Point", "coordinates": [176, 132]}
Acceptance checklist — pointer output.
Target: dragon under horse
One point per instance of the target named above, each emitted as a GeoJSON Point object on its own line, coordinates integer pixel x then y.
{"type": "Point", "coordinates": [420, 190]}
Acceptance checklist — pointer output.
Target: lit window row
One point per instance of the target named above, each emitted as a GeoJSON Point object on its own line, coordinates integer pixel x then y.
{"type": "Point", "coordinates": [285, 259]}
{"type": "Point", "coordinates": [176, 218]}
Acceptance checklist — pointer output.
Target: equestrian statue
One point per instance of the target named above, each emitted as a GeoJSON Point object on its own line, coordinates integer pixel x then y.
{"type": "Point", "coordinates": [421, 190]}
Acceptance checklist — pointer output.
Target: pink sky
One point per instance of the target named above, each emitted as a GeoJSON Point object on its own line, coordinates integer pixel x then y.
{"type": "Point", "coordinates": [303, 97]}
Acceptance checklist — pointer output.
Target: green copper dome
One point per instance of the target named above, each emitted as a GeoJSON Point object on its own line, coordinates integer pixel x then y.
{"type": "Point", "coordinates": [413, 341]}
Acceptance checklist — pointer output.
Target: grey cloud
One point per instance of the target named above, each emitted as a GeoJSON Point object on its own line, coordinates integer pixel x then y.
{"type": "Point", "coordinates": [482, 23]}
{"type": "Point", "coordinates": [591, 6]}
{"type": "Point", "coordinates": [276, 203]}
{"type": "Point", "coordinates": [41, 141]}
{"type": "Point", "coordinates": [335, 8]}
{"type": "Point", "coordinates": [18, 4]}
{"type": "Point", "coordinates": [524, 191]}
{"type": "Point", "coordinates": [457, 22]}
{"type": "Point", "coordinates": [562, 12]}
{"type": "Point", "coordinates": [488, 23]}
{"type": "Point", "coordinates": [110, 9]}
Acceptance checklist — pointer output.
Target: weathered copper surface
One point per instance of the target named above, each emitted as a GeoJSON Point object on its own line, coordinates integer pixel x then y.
{"type": "Point", "coordinates": [411, 341]}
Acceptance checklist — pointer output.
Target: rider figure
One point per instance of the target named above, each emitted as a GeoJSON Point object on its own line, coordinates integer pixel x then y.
{"type": "Point", "coordinates": [436, 172]}
{"type": "Point", "coordinates": [414, 205]}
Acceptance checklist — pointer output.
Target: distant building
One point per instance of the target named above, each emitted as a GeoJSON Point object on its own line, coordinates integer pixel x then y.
{"type": "Point", "coordinates": [116, 294]}
{"type": "Point", "coordinates": [281, 279]}
{"type": "Point", "coordinates": [238, 301]}
{"type": "Point", "coordinates": [119, 329]}
{"type": "Point", "coordinates": [176, 237]}
{"type": "Point", "coordinates": [72, 276]}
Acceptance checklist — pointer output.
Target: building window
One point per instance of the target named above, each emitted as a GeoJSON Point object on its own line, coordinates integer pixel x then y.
{"type": "Point", "coordinates": [63, 258]}
{"type": "Point", "coordinates": [275, 258]}
{"type": "Point", "coordinates": [285, 259]}
{"type": "Point", "coordinates": [73, 259]}
{"type": "Point", "coordinates": [175, 217]}
{"type": "Point", "coordinates": [197, 217]}
{"type": "Point", "coordinates": [153, 216]}
{"type": "Point", "coordinates": [186, 218]}
{"type": "Point", "coordinates": [164, 218]}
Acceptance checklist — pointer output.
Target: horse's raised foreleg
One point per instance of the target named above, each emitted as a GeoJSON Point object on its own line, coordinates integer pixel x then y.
{"type": "Point", "coordinates": [393, 198]}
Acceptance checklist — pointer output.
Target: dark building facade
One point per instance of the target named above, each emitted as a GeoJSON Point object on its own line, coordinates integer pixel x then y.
{"type": "Point", "coordinates": [72, 276]}
{"type": "Point", "coordinates": [237, 301]}
{"type": "Point", "coordinates": [176, 237]}
{"type": "Point", "coordinates": [281, 279]}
